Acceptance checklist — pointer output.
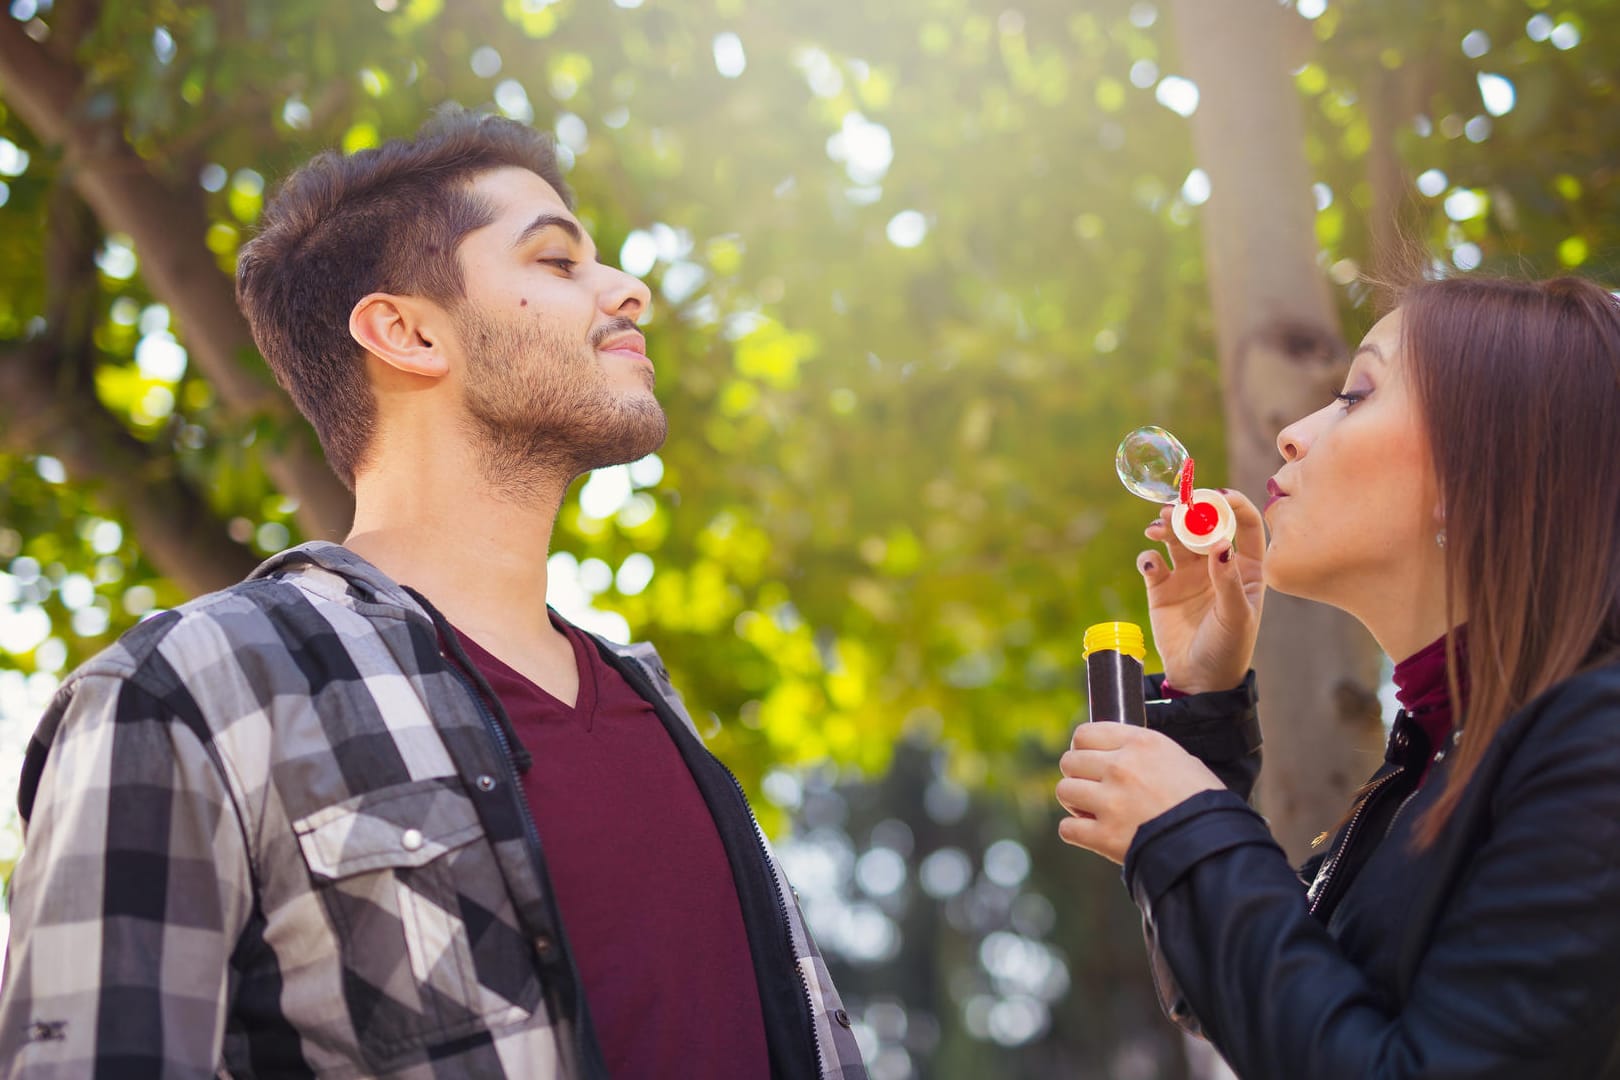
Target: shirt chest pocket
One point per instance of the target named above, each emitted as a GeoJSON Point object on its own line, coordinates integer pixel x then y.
{"type": "Point", "coordinates": [425, 930]}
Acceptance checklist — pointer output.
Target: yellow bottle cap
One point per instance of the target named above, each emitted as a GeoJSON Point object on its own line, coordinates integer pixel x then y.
{"type": "Point", "coordinates": [1122, 637]}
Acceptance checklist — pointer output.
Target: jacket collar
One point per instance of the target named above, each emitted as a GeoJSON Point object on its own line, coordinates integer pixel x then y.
{"type": "Point", "coordinates": [371, 585]}
{"type": "Point", "coordinates": [339, 560]}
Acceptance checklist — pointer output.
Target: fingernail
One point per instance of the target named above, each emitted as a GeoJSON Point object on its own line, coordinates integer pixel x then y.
{"type": "Point", "coordinates": [1147, 567]}
{"type": "Point", "coordinates": [1226, 556]}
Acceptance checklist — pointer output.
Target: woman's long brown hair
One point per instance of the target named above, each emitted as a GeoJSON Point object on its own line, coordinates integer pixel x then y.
{"type": "Point", "coordinates": [1518, 383]}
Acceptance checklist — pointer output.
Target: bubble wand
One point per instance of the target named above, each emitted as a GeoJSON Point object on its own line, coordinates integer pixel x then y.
{"type": "Point", "coordinates": [1154, 465]}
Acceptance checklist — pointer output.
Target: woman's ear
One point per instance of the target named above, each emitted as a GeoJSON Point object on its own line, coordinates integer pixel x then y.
{"type": "Point", "coordinates": [395, 330]}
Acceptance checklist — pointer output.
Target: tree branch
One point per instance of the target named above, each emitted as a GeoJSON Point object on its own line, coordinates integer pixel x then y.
{"type": "Point", "coordinates": [49, 391]}
{"type": "Point", "coordinates": [168, 231]}
{"type": "Point", "coordinates": [177, 529]}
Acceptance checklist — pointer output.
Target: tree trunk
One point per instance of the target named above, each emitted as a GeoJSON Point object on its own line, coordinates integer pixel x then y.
{"type": "Point", "coordinates": [1396, 254]}
{"type": "Point", "coordinates": [168, 229]}
{"type": "Point", "coordinates": [1281, 355]}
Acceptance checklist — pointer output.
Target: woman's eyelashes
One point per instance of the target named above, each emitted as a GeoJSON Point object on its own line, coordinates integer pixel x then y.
{"type": "Point", "coordinates": [564, 265]}
{"type": "Point", "coordinates": [1351, 398]}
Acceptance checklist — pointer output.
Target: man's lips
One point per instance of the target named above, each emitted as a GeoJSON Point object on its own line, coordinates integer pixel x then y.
{"type": "Point", "coordinates": [634, 344]}
{"type": "Point", "coordinates": [1275, 491]}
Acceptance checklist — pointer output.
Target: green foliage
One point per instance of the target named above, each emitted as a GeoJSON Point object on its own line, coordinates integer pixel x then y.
{"type": "Point", "coordinates": [886, 503]}
{"type": "Point", "coordinates": [919, 265]}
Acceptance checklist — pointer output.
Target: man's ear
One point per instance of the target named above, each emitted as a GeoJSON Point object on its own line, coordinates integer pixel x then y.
{"type": "Point", "coordinates": [398, 331]}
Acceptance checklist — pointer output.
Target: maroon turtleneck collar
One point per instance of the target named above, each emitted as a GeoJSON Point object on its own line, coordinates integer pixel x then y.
{"type": "Point", "coordinates": [1424, 692]}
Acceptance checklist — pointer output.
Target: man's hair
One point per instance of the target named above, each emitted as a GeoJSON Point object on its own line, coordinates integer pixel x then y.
{"type": "Point", "coordinates": [388, 220]}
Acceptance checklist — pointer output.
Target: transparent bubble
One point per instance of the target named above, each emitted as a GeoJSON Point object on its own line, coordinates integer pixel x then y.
{"type": "Point", "coordinates": [1149, 462]}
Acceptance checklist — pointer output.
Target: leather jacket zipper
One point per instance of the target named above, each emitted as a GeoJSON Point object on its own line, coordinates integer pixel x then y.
{"type": "Point", "coordinates": [1324, 878]}
{"type": "Point", "coordinates": [1399, 810]}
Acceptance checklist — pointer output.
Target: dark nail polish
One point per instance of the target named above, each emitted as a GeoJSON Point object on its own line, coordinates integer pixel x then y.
{"type": "Point", "coordinates": [1147, 568]}
{"type": "Point", "coordinates": [1226, 556]}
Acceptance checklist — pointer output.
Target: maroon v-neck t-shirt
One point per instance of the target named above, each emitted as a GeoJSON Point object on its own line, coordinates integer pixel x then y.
{"type": "Point", "coordinates": [646, 893]}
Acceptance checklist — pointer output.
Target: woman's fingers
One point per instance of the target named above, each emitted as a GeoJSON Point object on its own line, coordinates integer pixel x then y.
{"type": "Point", "coordinates": [1160, 533]}
{"type": "Point", "coordinates": [1083, 764]}
{"type": "Point", "coordinates": [1079, 796]}
{"type": "Point", "coordinates": [1231, 598]}
{"type": "Point", "coordinates": [1154, 568]}
{"type": "Point", "coordinates": [1123, 776]}
{"type": "Point", "coordinates": [1104, 735]}
{"type": "Point", "coordinates": [1082, 832]}
{"type": "Point", "coordinates": [1164, 534]}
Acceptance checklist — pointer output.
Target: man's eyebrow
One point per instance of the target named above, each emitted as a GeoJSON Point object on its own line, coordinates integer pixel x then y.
{"type": "Point", "coordinates": [549, 221]}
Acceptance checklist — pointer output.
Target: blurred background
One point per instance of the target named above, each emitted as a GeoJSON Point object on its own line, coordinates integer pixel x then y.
{"type": "Point", "coordinates": [918, 265]}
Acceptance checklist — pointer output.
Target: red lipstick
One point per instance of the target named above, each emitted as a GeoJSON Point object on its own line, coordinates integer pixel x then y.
{"type": "Point", "coordinates": [1276, 492]}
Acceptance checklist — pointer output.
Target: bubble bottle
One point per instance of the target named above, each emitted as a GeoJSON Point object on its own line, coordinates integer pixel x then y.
{"type": "Point", "coordinates": [1114, 652]}
{"type": "Point", "coordinates": [1153, 465]}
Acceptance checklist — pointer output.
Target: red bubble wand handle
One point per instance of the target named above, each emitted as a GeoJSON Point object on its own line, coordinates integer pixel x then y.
{"type": "Point", "coordinates": [1203, 520]}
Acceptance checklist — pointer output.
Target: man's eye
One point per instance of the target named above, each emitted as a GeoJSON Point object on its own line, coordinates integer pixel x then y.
{"type": "Point", "coordinates": [565, 265]}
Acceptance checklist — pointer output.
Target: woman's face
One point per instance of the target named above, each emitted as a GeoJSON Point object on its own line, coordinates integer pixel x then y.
{"type": "Point", "coordinates": [1355, 506]}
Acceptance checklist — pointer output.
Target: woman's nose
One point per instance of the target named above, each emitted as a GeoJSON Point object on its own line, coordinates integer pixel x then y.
{"type": "Point", "coordinates": [1294, 441]}
{"type": "Point", "coordinates": [1291, 441]}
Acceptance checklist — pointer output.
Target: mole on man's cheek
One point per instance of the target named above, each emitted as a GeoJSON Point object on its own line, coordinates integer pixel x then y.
{"type": "Point", "coordinates": [524, 302]}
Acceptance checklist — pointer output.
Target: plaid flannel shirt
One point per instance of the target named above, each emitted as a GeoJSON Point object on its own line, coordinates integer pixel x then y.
{"type": "Point", "coordinates": [276, 832]}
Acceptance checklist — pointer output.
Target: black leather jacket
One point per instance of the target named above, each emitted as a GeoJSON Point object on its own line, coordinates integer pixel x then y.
{"type": "Point", "coordinates": [1493, 955]}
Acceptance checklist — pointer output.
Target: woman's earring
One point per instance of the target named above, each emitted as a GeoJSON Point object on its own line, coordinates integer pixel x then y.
{"type": "Point", "coordinates": [1440, 539]}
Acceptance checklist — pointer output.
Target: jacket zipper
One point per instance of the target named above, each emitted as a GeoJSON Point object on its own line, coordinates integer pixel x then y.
{"type": "Point", "coordinates": [1399, 810]}
{"type": "Point", "coordinates": [1324, 878]}
{"type": "Point", "coordinates": [781, 904]}
{"type": "Point", "coordinates": [1430, 764]}
{"type": "Point", "coordinates": [531, 832]}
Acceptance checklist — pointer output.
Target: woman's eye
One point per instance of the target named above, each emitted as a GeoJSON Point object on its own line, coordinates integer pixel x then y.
{"type": "Point", "coordinates": [565, 265]}
{"type": "Point", "coordinates": [1350, 398]}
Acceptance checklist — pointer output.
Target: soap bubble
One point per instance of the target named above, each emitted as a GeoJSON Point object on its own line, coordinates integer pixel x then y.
{"type": "Point", "coordinates": [1149, 462]}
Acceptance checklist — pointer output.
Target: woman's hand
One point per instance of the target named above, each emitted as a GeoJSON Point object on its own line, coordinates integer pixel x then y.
{"type": "Point", "coordinates": [1118, 776]}
{"type": "Point", "coordinates": [1205, 610]}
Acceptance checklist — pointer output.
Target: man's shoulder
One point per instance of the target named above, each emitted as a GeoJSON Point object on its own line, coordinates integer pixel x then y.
{"type": "Point", "coordinates": [249, 622]}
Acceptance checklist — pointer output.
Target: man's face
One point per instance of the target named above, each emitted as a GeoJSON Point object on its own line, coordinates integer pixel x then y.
{"type": "Point", "coordinates": [556, 377]}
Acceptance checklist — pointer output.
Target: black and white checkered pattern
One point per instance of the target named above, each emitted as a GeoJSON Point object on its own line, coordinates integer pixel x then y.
{"type": "Point", "coordinates": [271, 833]}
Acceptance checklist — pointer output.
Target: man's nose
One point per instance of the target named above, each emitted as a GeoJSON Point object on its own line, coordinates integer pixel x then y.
{"type": "Point", "coordinates": [625, 295]}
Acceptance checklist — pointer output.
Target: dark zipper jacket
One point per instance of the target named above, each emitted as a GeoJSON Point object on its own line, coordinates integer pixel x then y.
{"type": "Point", "coordinates": [1492, 955]}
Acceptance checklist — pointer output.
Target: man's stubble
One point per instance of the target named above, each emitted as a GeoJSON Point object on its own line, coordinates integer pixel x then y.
{"type": "Point", "coordinates": [542, 412]}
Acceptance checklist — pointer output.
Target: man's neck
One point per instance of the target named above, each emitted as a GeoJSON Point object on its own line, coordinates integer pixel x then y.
{"type": "Point", "coordinates": [480, 558]}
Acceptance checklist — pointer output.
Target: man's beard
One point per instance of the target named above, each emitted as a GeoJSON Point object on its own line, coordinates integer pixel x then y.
{"type": "Point", "coordinates": [542, 412]}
